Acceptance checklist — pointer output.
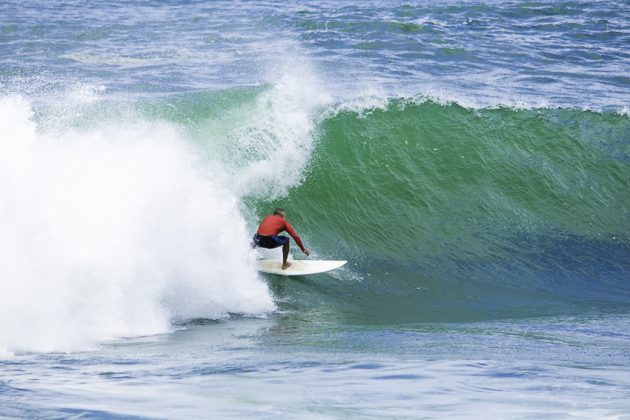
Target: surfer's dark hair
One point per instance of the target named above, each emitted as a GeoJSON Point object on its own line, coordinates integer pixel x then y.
{"type": "Point", "coordinates": [279, 211]}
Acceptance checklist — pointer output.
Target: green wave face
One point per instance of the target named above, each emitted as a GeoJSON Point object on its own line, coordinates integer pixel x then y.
{"type": "Point", "coordinates": [449, 213]}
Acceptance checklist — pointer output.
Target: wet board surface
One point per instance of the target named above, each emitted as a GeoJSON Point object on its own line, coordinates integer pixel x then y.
{"type": "Point", "coordinates": [299, 267]}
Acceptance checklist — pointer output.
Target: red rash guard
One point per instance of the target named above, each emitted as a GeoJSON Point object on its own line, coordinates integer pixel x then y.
{"type": "Point", "coordinates": [272, 225]}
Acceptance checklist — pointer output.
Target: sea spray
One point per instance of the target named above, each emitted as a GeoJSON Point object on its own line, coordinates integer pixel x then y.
{"type": "Point", "coordinates": [264, 144]}
{"type": "Point", "coordinates": [112, 231]}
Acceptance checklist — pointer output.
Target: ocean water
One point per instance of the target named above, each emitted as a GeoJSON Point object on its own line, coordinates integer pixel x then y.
{"type": "Point", "coordinates": [470, 159]}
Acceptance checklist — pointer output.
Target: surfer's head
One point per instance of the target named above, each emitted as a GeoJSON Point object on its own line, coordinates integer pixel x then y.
{"type": "Point", "coordinates": [280, 212]}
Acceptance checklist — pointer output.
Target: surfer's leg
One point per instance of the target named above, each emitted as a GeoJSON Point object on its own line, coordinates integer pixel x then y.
{"type": "Point", "coordinates": [285, 255]}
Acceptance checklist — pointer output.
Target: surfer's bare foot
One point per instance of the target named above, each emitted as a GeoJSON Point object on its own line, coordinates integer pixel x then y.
{"type": "Point", "coordinates": [286, 265]}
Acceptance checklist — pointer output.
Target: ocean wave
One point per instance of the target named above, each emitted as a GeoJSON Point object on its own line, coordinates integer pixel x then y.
{"type": "Point", "coordinates": [514, 212]}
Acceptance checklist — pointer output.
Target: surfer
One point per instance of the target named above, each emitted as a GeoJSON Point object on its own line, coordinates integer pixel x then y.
{"type": "Point", "coordinates": [267, 235]}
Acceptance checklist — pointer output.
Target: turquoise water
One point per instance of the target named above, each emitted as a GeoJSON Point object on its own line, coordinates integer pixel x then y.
{"type": "Point", "coordinates": [470, 160]}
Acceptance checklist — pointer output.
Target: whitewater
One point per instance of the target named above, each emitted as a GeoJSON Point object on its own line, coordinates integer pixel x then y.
{"type": "Point", "coordinates": [120, 228]}
{"type": "Point", "coordinates": [469, 159]}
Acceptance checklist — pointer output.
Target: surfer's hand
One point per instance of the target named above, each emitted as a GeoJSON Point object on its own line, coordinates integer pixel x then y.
{"type": "Point", "coordinates": [307, 251]}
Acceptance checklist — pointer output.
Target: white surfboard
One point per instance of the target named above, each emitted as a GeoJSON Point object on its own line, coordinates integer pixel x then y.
{"type": "Point", "coordinates": [299, 267]}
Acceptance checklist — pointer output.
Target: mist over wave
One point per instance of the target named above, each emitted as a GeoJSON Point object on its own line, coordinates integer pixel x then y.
{"type": "Point", "coordinates": [113, 231]}
{"type": "Point", "coordinates": [264, 141]}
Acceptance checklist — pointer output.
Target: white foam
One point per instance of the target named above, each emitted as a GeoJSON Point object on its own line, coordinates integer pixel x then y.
{"type": "Point", "coordinates": [264, 147]}
{"type": "Point", "coordinates": [369, 99]}
{"type": "Point", "coordinates": [112, 232]}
